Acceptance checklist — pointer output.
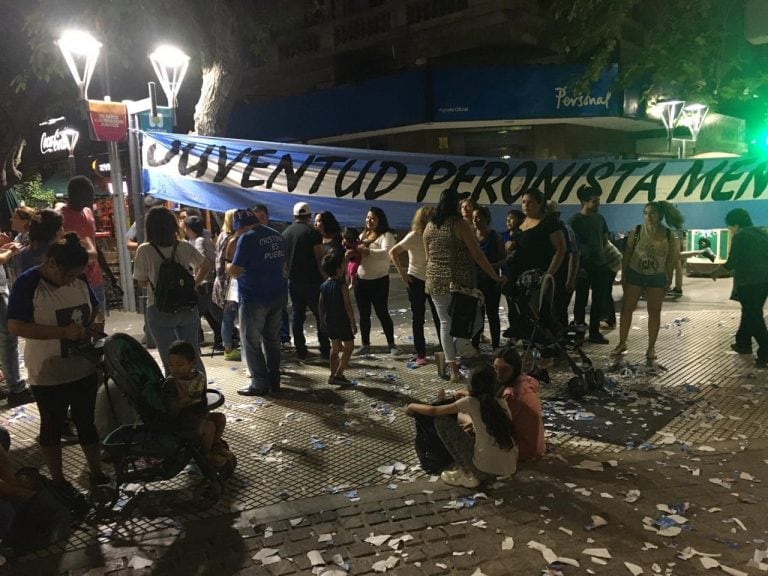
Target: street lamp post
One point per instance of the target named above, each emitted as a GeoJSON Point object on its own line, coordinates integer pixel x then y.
{"type": "Point", "coordinates": [170, 65]}
{"type": "Point", "coordinates": [80, 49]}
{"type": "Point", "coordinates": [669, 113]}
{"type": "Point", "coordinates": [674, 113]}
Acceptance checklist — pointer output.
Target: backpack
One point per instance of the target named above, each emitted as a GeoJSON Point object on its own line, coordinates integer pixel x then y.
{"type": "Point", "coordinates": [175, 286]}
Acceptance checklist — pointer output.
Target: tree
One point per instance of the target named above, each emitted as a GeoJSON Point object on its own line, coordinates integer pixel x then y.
{"type": "Point", "coordinates": [691, 49]}
{"type": "Point", "coordinates": [218, 35]}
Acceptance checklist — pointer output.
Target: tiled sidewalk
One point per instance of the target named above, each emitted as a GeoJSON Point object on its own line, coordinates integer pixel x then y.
{"type": "Point", "coordinates": [364, 428]}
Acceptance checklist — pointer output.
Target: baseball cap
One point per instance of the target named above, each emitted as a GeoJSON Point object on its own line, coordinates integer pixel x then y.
{"type": "Point", "coordinates": [243, 218]}
{"type": "Point", "coordinates": [301, 209]}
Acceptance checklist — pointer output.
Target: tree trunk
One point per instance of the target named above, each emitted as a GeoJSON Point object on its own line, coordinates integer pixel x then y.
{"type": "Point", "coordinates": [221, 68]}
{"type": "Point", "coordinates": [18, 116]}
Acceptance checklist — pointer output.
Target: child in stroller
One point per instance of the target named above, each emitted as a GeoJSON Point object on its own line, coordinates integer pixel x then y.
{"type": "Point", "coordinates": [183, 394]}
{"type": "Point", "coordinates": [158, 447]}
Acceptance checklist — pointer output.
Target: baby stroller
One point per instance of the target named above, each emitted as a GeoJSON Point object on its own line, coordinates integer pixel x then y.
{"type": "Point", "coordinates": [151, 450]}
{"type": "Point", "coordinates": [534, 323]}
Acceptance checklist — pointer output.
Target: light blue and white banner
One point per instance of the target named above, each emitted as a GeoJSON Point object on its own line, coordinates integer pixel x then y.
{"type": "Point", "coordinates": [219, 174]}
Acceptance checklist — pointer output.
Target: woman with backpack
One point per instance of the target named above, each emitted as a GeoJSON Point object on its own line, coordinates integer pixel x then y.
{"type": "Point", "coordinates": [491, 451]}
{"type": "Point", "coordinates": [648, 264]}
{"type": "Point", "coordinates": [162, 266]}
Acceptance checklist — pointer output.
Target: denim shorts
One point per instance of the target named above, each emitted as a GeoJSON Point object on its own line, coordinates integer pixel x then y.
{"type": "Point", "coordinates": [646, 280]}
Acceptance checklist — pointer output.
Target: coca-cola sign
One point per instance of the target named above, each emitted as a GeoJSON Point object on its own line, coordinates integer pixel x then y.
{"type": "Point", "coordinates": [59, 141]}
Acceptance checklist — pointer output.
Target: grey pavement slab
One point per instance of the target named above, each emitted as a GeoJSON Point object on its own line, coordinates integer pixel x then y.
{"type": "Point", "coordinates": [363, 428]}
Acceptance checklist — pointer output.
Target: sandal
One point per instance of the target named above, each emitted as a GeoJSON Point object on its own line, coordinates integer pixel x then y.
{"type": "Point", "coordinates": [619, 350]}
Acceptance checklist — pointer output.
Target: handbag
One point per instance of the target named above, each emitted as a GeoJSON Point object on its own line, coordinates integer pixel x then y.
{"type": "Point", "coordinates": [465, 307]}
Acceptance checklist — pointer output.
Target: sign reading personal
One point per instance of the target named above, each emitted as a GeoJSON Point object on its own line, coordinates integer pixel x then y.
{"type": "Point", "coordinates": [369, 175]}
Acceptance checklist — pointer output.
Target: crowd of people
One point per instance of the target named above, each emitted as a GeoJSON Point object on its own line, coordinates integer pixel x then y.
{"type": "Point", "coordinates": [244, 281]}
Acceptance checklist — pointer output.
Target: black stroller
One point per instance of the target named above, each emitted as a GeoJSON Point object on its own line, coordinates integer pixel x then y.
{"type": "Point", "coordinates": [151, 450]}
{"type": "Point", "coordinates": [534, 323]}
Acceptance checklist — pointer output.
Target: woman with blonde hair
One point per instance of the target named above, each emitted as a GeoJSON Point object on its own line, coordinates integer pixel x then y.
{"type": "Point", "coordinates": [649, 262]}
{"type": "Point", "coordinates": [415, 280]}
{"type": "Point", "coordinates": [221, 287]}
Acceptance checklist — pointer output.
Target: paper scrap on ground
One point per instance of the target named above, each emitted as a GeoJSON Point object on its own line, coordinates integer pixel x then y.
{"type": "Point", "coordinates": [315, 558]}
{"type": "Point", "coordinates": [634, 569]}
{"type": "Point", "coordinates": [548, 554]}
{"type": "Point", "coordinates": [632, 496]}
{"type": "Point", "coordinates": [265, 553]}
{"type": "Point", "coordinates": [590, 465]}
{"type": "Point", "coordinates": [384, 565]}
{"type": "Point", "coordinates": [295, 521]}
{"type": "Point", "coordinates": [378, 540]}
{"type": "Point", "coordinates": [597, 522]}
{"type": "Point", "coordinates": [478, 572]}
{"type": "Point", "coordinates": [139, 562]}
{"type": "Point", "coordinates": [508, 543]}
{"type": "Point", "coordinates": [597, 553]}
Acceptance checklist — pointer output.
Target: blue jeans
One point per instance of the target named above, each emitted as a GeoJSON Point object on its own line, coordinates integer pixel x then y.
{"type": "Point", "coordinates": [260, 341]}
{"type": "Point", "coordinates": [228, 323]}
{"type": "Point", "coordinates": [9, 350]}
{"type": "Point", "coordinates": [167, 327]}
{"type": "Point", "coordinates": [101, 295]}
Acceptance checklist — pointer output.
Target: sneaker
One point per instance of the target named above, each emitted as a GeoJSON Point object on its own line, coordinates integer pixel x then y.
{"type": "Point", "coordinates": [419, 360]}
{"type": "Point", "coordinates": [394, 351]}
{"type": "Point", "coordinates": [341, 380]}
{"type": "Point", "coordinates": [20, 398]}
{"type": "Point", "coordinates": [598, 339]}
{"type": "Point", "coordinates": [233, 355]}
{"type": "Point", "coordinates": [193, 470]}
{"type": "Point", "coordinates": [675, 292]}
{"type": "Point", "coordinates": [363, 350]}
{"type": "Point", "coordinates": [459, 478]}
{"type": "Point", "coordinates": [471, 353]}
{"type": "Point", "coordinates": [735, 347]}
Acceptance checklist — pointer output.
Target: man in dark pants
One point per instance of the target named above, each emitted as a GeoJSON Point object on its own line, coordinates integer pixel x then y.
{"type": "Point", "coordinates": [592, 235]}
{"type": "Point", "coordinates": [748, 260]}
{"type": "Point", "coordinates": [305, 253]}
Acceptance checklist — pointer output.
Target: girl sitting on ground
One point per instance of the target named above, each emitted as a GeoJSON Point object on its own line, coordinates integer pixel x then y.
{"type": "Point", "coordinates": [492, 450]}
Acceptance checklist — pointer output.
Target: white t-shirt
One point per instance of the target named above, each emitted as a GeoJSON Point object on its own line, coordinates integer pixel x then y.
{"type": "Point", "coordinates": [36, 301]}
{"type": "Point", "coordinates": [376, 263]}
{"type": "Point", "coordinates": [417, 258]}
{"type": "Point", "coordinates": [147, 262]}
{"type": "Point", "coordinates": [489, 456]}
